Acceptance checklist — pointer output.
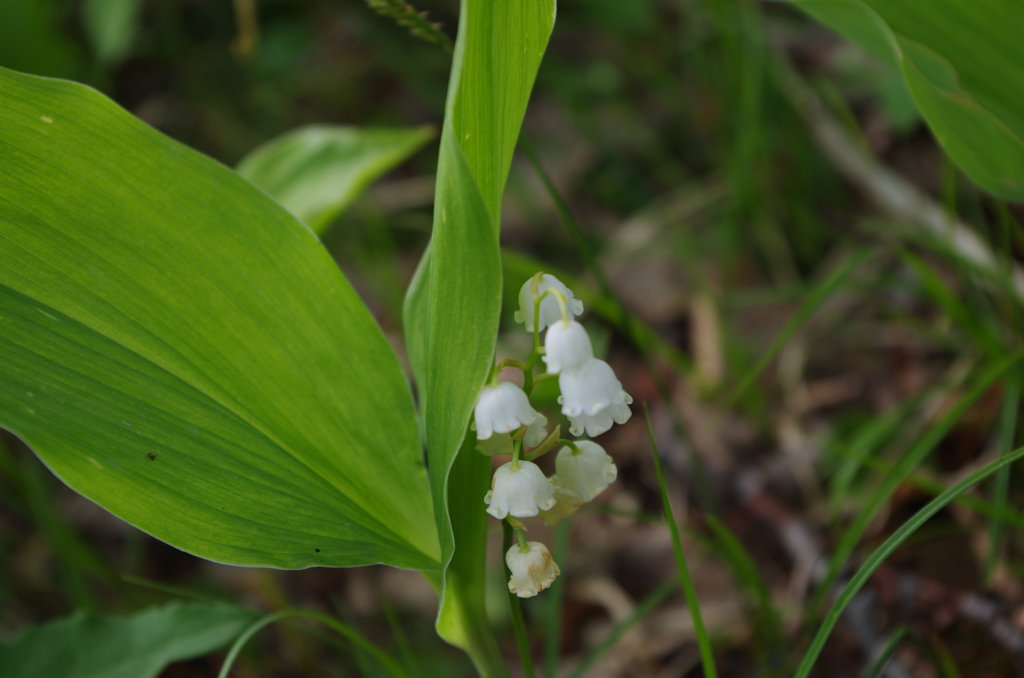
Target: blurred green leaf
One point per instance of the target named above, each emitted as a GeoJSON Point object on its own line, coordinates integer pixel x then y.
{"type": "Point", "coordinates": [182, 351]}
{"type": "Point", "coordinates": [961, 62]}
{"type": "Point", "coordinates": [30, 40]}
{"type": "Point", "coordinates": [106, 646]}
{"type": "Point", "coordinates": [454, 300]}
{"type": "Point", "coordinates": [110, 26]}
{"type": "Point", "coordinates": [319, 170]}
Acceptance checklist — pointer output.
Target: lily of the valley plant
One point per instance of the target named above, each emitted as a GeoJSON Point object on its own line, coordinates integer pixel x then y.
{"type": "Point", "coordinates": [592, 398]}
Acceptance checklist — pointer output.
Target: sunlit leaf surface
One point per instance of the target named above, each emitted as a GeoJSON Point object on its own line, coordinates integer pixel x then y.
{"type": "Point", "coordinates": [178, 348]}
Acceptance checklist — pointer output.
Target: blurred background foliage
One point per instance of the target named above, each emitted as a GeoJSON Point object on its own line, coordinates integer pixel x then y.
{"type": "Point", "coordinates": [712, 216]}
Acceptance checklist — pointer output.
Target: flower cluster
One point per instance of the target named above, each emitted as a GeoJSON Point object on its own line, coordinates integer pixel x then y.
{"type": "Point", "coordinates": [592, 399]}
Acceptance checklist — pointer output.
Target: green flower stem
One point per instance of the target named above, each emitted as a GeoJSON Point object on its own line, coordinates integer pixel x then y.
{"type": "Point", "coordinates": [517, 449]}
{"type": "Point", "coordinates": [570, 444]}
{"type": "Point", "coordinates": [522, 641]}
{"type": "Point", "coordinates": [509, 362]}
{"type": "Point", "coordinates": [707, 657]}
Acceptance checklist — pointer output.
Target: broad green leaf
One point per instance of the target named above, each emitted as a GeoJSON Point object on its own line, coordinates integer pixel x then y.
{"type": "Point", "coordinates": [110, 26]}
{"type": "Point", "coordinates": [107, 646]}
{"type": "Point", "coordinates": [455, 297]}
{"type": "Point", "coordinates": [961, 62]}
{"type": "Point", "coordinates": [317, 171]}
{"type": "Point", "coordinates": [178, 348]}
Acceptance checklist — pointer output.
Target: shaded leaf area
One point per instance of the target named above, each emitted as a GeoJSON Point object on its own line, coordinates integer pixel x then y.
{"type": "Point", "coordinates": [317, 171]}
{"type": "Point", "coordinates": [136, 646]}
{"type": "Point", "coordinates": [186, 322]}
{"type": "Point", "coordinates": [961, 63]}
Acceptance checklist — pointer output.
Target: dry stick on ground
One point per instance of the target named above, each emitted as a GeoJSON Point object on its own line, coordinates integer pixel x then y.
{"type": "Point", "coordinates": [890, 192]}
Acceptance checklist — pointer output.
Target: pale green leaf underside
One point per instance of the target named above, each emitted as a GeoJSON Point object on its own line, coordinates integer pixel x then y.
{"type": "Point", "coordinates": [962, 64]}
{"type": "Point", "coordinates": [454, 300]}
{"type": "Point", "coordinates": [178, 348]}
{"type": "Point", "coordinates": [319, 170]}
{"type": "Point", "coordinates": [136, 646]}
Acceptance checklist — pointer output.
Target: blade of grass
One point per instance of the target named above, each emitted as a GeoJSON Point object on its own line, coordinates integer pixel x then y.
{"type": "Point", "coordinates": [954, 306]}
{"type": "Point", "coordinates": [398, 633]}
{"type": "Point", "coordinates": [886, 549]}
{"type": "Point", "coordinates": [1001, 486]}
{"type": "Point", "coordinates": [768, 623]}
{"type": "Point", "coordinates": [902, 470]}
{"type": "Point", "coordinates": [653, 599]}
{"type": "Point", "coordinates": [886, 654]}
{"type": "Point", "coordinates": [707, 657]}
{"type": "Point", "coordinates": [866, 440]}
{"type": "Point", "coordinates": [553, 612]}
{"type": "Point", "coordinates": [349, 633]}
{"type": "Point", "coordinates": [819, 293]}
{"type": "Point", "coordinates": [522, 640]}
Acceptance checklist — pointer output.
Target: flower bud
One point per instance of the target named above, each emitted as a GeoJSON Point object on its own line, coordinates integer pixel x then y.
{"type": "Point", "coordinates": [520, 492]}
{"type": "Point", "coordinates": [501, 408]}
{"type": "Point", "coordinates": [567, 347]}
{"type": "Point", "coordinates": [549, 309]}
{"type": "Point", "coordinates": [532, 570]}
{"type": "Point", "coordinates": [586, 473]}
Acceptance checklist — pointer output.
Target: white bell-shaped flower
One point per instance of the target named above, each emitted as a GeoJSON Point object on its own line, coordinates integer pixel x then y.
{"type": "Point", "coordinates": [567, 503]}
{"type": "Point", "coordinates": [549, 309]}
{"type": "Point", "coordinates": [520, 492]}
{"type": "Point", "coordinates": [535, 432]}
{"type": "Point", "coordinates": [590, 389]}
{"type": "Point", "coordinates": [501, 408]}
{"type": "Point", "coordinates": [602, 421]}
{"type": "Point", "coordinates": [532, 570]}
{"type": "Point", "coordinates": [586, 473]}
{"type": "Point", "coordinates": [567, 347]}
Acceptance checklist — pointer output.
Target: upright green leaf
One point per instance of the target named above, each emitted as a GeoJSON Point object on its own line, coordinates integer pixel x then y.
{"type": "Point", "coordinates": [962, 64]}
{"type": "Point", "coordinates": [136, 646]}
{"type": "Point", "coordinates": [317, 171]}
{"type": "Point", "coordinates": [455, 299]}
{"type": "Point", "coordinates": [178, 348]}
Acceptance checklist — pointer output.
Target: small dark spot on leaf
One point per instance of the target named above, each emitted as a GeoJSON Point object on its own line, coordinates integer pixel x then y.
{"type": "Point", "coordinates": [317, 550]}
{"type": "Point", "coordinates": [152, 455]}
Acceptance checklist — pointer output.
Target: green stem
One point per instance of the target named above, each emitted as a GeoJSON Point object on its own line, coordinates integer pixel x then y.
{"type": "Point", "coordinates": [707, 657]}
{"type": "Point", "coordinates": [522, 642]}
{"type": "Point", "coordinates": [517, 449]}
{"type": "Point", "coordinates": [387, 662]}
{"type": "Point", "coordinates": [570, 444]}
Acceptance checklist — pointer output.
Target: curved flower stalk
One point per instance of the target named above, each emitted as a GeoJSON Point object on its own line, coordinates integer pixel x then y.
{"type": "Point", "coordinates": [592, 398]}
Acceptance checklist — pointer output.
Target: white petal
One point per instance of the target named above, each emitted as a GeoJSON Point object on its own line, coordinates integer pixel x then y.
{"type": "Point", "coordinates": [549, 309]}
{"type": "Point", "coordinates": [590, 389]}
{"type": "Point", "coordinates": [501, 408]}
{"type": "Point", "coordinates": [522, 492]}
{"type": "Point", "coordinates": [567, 347]}
{"type": "Point", "coordinates": [602, 421]}
{"type": "Point", "coordinates": [586, 474]}
{"type": "Point", "coordinates": [532, 570]}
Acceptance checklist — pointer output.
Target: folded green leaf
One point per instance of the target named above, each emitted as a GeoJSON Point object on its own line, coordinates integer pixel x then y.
{"type": "Point", "coordinates": [136, 646]}
{"type": "Point", "coordinates": [961, 62]}
{"type": "Point", "coordinates": [454, 300]}
{"type": "Point", "coordinates": [178, 348]}
{"type": "Point", "coordinates": [319, 170]}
